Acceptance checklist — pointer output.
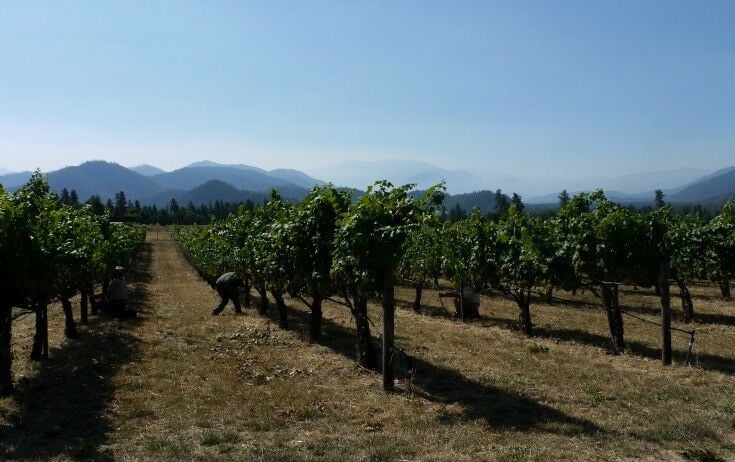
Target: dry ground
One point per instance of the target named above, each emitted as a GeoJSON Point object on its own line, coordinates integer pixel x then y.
{"type": "Point", "coordinates": [180, 384]}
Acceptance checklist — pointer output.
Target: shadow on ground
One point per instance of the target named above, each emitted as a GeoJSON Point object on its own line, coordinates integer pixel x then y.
{"type": "Point", "coordinates": [707, 361]}
{"type": "Point", "coordinates": [443, 311]}
{"type": "Point", "coordinates": [498, 408]}
{"type": "Point", "coordinates": [655, 311]}
{"type": "Point", "coordinates": [707, 318]}
{"type": "Point", "coordinates": [63, 411]}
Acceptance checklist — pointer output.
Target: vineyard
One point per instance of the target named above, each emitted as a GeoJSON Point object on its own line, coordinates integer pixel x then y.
{"type": "Point", "coordinates": [326, 247]}
{"type": "Point", "coordinates": [52, 252]}
{"type": "Point", "coordinates": [560, 360]}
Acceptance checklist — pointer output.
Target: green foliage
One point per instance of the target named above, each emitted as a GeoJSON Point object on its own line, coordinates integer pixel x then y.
{"type": "Point", "coordinates": [718, 239]}
{"type": "Point", "coordinates": [423, 250]}
{"type": "Point", "coordinates": [372, 232]}
{"type": "Point", "coordinates": [213, 249]}
{"type": "Point", "coordinates": [280, 247]}
{"type": "Point", "coordinates": [523, 252]}
{"type": "Point", "coordinates": [312, 231]}
{"type": "Point", "coordinates": [686, 245]}
{"type": "Point", "coordinates": [607, 242]}
{"type": "Point", "coordinates": [51, 249]}
{"type": "Point", "coordinates": [319, 247]}
{"type": "Point", "coordinates": [15, 247]}
{"type": "Point", "coordinates": [326, 245]}
{"type": "Point", "coordinates": [273, 245]}
{"type": "Point", "coordinates": [470, 252]}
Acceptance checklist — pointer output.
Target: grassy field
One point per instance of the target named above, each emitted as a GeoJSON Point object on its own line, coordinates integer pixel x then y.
{"type": "Point", "coordinates": [180, 384]}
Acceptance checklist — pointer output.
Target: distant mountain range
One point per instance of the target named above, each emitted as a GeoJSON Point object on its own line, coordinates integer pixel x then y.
{"type": "Point", "coordinates": [190, 177]}
{"type": "Point", "coordinates": [205, 182]}
{"type": "Point", "coordinates": [208, 193]}
{"type": "Point", "coordinates": [711, 189]}
{"type": "Point", "coordinates": [458, 181]}
{"type": "Point", "coordinates": [714, 188]}
{"type": "Point", "coordinates": [202, 182]}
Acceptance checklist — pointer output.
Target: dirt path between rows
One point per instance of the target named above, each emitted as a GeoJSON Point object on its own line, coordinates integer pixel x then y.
{"type": "Point", "coordinates": [223, 387]}
{"type": "Point", "coordinates": [183, 390]}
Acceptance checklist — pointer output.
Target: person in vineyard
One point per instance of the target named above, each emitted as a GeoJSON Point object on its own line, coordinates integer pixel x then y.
{"type": "Point", "coordinates": [467, 304]}
{"type": "Point", "coordinates": [228, 287]}
{"type": "Point", "coordinates": [117, 295]}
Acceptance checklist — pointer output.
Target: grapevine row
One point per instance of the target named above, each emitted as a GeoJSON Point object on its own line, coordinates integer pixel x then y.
{"type": "Point", "coordinates": [327, 245]}
{"type": "Point", "coordinates": [49, 252]}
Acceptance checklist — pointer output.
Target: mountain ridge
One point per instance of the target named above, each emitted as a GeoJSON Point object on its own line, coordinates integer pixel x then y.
{"type": "Point", "coordinates": [716, 187]}
{"type": "Point", "coordinates": [231, 181]}
{"type": "Point", "coordinates": [188, 178]}
{"type": "Point", "coordinates": [147, 170]}
{"type": "Point", "coordinates": [105, 179]}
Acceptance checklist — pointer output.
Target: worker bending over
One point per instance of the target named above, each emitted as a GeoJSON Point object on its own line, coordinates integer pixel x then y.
{"type": "Point", "coordinates": [228, 287]}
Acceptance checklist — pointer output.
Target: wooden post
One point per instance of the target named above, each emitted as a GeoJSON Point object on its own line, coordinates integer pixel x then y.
{"type": "Point", "coordinates": [37, 348]}
{"type": "Point", "coordinates": [725, 289]}
{"type": "Point", "coordinates": [417, 299]}
{"type": "Point", "coordinates": [44, 333]}
{"type": "Point", "coordinates": [388, 329]}
{"type": "Point", "coordinates": [525, 306]}
{"type": "Point", "coordinates": [663, 275]}
{"type": "Point", "coordinates": [687, 306]}
{"type": "Point", "coordinates": [70, 326]}
{"type": "Point", "coordinates": [6, 358]}
{"type": "Point", "coordinates": [614, 315]}
{"type": "Point", "coordinates": [281, 309]}
{"type": "Point", "coordinates": [364, 348]}
{"type": "Point", "coordinates": [263, 305]}
{"type": "Point", "coordinates": [619, 328]}
{"type": "Point", "coordinates": [92, 300]}
{"type": "Point", "coordinates": [316, 319]}
{"type": "Point", "coordinates": [246, 293]}
{"type": "Point", "coordinates": [83, 307]}
{"type": "Point", "coordinates": [461, 301]}
{"type": "Point", "coordinates": [40, 338]}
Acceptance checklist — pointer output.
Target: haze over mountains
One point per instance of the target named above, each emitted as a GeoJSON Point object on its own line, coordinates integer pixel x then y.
{"type": "Point", "coordinates": [205, 181]}
{"type": "Point", "coordinates": [464, 180]}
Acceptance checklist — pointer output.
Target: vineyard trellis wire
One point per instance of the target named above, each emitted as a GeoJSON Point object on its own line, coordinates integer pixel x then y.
{"type": "Point", "coordinates": [691, 349]}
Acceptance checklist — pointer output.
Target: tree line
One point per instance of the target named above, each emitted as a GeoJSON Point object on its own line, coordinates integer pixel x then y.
{"type": "Point", "coordinates": [120, 208]}
{"type": "Point", "coordinates": [455, 207]}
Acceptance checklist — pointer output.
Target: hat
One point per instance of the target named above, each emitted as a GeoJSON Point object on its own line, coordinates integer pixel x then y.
{"type": "Point", "coordinates": [119, 269]}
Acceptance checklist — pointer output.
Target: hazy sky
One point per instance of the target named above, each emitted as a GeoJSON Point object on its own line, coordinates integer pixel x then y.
{"type": "Point", "coordinates": [536, 88]}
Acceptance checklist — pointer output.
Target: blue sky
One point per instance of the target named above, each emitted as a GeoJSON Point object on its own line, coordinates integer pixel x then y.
{"type": "Point", "coordinates": [551, 88]}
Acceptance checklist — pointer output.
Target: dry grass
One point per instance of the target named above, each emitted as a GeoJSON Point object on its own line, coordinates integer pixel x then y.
{"type": "Point", "coordinates": [182, 385]}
